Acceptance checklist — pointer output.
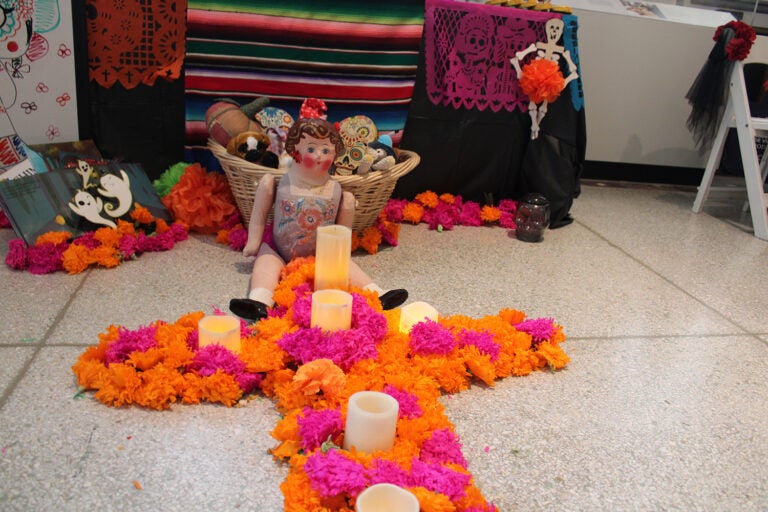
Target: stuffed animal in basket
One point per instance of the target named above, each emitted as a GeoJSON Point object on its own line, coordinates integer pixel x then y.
{"type": "Point", "coordinates": [305, 199]}
{"type": "Point", "coordinates": [253, 147]}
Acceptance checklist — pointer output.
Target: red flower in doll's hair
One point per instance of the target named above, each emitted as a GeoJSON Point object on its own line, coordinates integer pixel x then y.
{"type": "Point", "coordinates": [313, 108]}
{"type": "Point", "coordinates": [296, 156]}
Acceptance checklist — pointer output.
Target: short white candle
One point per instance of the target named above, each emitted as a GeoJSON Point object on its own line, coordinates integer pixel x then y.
{"type": "Point", "coordinates": [386, 498]}
{"type": "Point", "coordinates": [332, 255]}
{"type": "Point", "coordinates": [414, 313]}
{"type": "Point", "coordinates": [223, 330]}
{"type": "Point", "coordinates": [331, 310]}
{"type": "Point", "coordinates": [371, 421]}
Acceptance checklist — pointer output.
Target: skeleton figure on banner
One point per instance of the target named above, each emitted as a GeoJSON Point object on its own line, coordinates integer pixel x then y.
{"type": "Point", "coordinates": [541, 78]}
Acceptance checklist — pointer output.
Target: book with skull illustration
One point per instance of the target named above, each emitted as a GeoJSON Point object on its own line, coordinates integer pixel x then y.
{"type": "Point", "coordinates": [78, 199]}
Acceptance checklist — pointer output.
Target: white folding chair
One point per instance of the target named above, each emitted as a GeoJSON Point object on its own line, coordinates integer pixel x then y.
{"type": "Point", "coordinates": [737, 114]}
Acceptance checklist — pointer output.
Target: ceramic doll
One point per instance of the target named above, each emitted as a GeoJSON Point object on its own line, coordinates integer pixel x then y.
{"type": "Point", "coordinates": [305, 199]}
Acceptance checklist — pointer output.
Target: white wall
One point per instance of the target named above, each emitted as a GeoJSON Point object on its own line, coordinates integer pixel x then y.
{"type": "Point", "coordinates": [636, 72]}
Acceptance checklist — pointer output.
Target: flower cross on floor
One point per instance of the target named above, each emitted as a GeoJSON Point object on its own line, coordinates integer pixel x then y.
{"type": "Point", "coordinates": [311, 374]}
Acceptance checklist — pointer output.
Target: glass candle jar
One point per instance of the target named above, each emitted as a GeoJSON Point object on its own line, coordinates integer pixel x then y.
{"type": "Point", "coordinates": [532, 218]}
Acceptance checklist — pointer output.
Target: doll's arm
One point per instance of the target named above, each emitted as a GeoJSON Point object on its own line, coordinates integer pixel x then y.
{"type": "Point", "coordinates": [262, 203]}
{"type": "Point", "coordinates": [346, 210]}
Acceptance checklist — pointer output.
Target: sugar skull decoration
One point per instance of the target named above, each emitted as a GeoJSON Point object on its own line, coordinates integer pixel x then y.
{"type": "Point", "coordinates": [276, 122]}
{"type": "Point", "coordinates": [356, 132]}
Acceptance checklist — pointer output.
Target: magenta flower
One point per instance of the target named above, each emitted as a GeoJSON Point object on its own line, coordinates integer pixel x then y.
{"type": "Point", "coordinates": [429, 337]}
{"type": "Point", "coordinates": [409, 403]}
{"type": "Point", "coordinates": [394, 209]}
{"type": "Point", "coordinates": [46, 258]}
{"type": "Point", "coordinates": [440, 479]}
{"type": "Point", "coordinates": [88, 240]}
{"type": "Point", "coordinates": [17, 254]}
{"type": "Point", "coordinates": [482, 340]}
{"type": "Point", "coordinates": [127, 246]}
{"type": "Point", "coordinates": [178, 232]}
{"type": "Point", "coordinates": [386, 472]}
{"type": "Point", "coordinates": [316, 427]}
{"type": "Point", "coordinates": [442, 447]}
{"type": "Point", "coordinates": [331, 474]}
{"type": "Point", "coordinates": [470, 214]}
{"type": "Point", "coordinates": [127, 342]}
{"type": "Point", "coordinates": [210, 358]}
{"type": "Point", "coordinates": [238, 238]}
{"type": "Point", "coordinates": [540, 329]}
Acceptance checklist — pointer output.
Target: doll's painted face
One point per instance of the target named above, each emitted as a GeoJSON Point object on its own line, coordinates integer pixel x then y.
{"type": "Point", "coordinates": [315, 155]}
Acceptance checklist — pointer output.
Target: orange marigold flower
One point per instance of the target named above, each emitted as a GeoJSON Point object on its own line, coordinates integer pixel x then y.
{"type": "Point", "coordinates": [222, 236]}
{"type": "Point", "coordinates": [319, 375]}
{"type": "Point", "coordinates": [512, 316]}
{"type": "Point", "coordinates": [490, 213]}
{"type": "Point", "coordinates": [76, 258]}
{"type": "Point", "coordinates": [53, 237]}
{"type": "Point", "coordinates": [121, 383]}
{"type": "Point", "coordinates": [161, 226]}
{"type": "Point", "coordinates": [106, 256]}
{"type": "Point", "coordinates": [125, 227]}
{"type": "Point", "coordinates": [108, 236]}
{"type": "Point", "coordinates": [428, 199]}
{"type": "Point", "coordinates": [371, 240]}
{"type": "Point", "coordinates": [413, 213]}
{"type": "Point", "coordinates": [193, 390]}
{"type": "Point", "coordinates": [447, 198]}
{"type": "Point", "coordinates": [90, 374]}
{"type": "Point", "coordinates": [553, 355]}
{"type": "Point", "coordinates": [141, 214]}
{"type": "Point", "coordinates": [221, 387]}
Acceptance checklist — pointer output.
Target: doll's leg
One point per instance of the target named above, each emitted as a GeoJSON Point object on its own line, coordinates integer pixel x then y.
{"type": "Point", "coordinates": [264, 278]}
{"type": "Point", "coordinates": [389, 299]}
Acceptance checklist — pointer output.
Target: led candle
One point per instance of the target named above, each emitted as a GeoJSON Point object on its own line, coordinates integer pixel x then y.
{"type": "Point", "coordinates": [332, 255]}
{"type": "Point", "coordinates": [371, 421]}
{"type": "Point", "coordinates": [414, 313]}
{"type": "Point", "coordinates": [220, 329]}
{"type": "Point", "coordinates": [331, 310]}
{"type": "Point", "coordinates": [386, 498]}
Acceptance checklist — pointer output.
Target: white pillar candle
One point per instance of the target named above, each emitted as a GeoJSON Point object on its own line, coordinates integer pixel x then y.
{"type": "Point", "coordinates": [331, 310]}
{"type": "Point", "coordinates": [414, 313]}
{"type": "Point", "coordinates": [332, 255]}
{"type": "Point", "coordinates": [219, 329]}
{"type": "Point", "coordinates": [371, 421]}
{"type": "Point", "coordinates": [386, 498]}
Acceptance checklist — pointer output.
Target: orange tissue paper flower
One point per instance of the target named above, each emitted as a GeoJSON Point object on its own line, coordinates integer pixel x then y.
{"type": "Point", "coordinates": [76, 258]}
{"type": "Point", "coordinates": [141, 214]}
{"type": "Point", "coordinates": [428, 199]}
{"type": "Point", "coordinates": [413, 212]}
{"type": "Point", "coordinates": [320, 375]}
{"type": "Point", "coordinates": [490, 213]}
{"type": "Point", "coordinates": [371, 239]}
{"type": "Point", "coordinates": [53, 237]}
{"type": "Point", "coordinates": [201, 199]}
{"type": "Point", "coordinates": [542, 80]}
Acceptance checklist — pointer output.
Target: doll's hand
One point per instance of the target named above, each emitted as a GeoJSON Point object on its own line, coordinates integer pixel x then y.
{"type": "Point", "coordinates": [250, 249]}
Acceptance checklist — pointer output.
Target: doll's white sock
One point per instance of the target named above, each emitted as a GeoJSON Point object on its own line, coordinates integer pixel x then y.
{"type": "Point", "coordinates": [373, 287]}
{"type": "Point", "coordinates": [263, 295]}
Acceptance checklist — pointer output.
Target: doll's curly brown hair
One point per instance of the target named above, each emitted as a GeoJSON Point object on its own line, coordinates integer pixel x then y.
{"type": "Point", "coordinates": [314, 127]}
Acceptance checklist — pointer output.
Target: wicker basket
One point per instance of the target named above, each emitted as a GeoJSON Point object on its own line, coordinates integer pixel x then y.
{"type": "Point", "coordinates": [371, 191]}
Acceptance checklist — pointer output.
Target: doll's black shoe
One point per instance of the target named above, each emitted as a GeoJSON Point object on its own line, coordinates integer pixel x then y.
{"type": "Point", "coordinates": [393, 298]}
{"type": "Point", "coordinates": [248, 309]}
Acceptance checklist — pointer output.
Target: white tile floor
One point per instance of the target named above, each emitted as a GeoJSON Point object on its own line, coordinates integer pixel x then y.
{"type": "Point", "coordinates": [664, 405]}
